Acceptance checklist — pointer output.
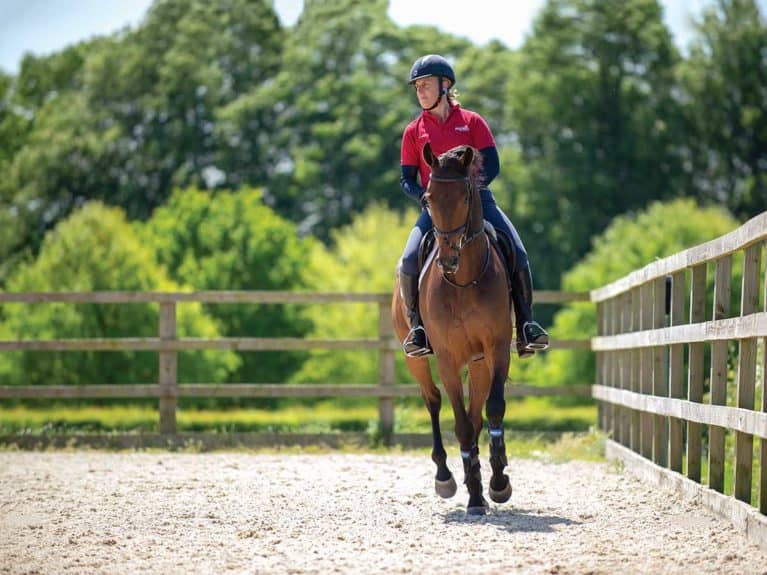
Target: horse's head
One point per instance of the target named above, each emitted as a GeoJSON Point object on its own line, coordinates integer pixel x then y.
{"type": "Point", "coordinates": [453, 202]}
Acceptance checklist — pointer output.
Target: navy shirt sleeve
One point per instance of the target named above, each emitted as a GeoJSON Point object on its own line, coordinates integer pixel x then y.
{"type": "Point", "coordinates": [491, 165]}
{"type": "Point", "coordinates": [409, 183]}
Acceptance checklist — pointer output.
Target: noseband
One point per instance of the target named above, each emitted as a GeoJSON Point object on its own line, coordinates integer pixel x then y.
{"type": "Point", "coordinates": [467, 235]}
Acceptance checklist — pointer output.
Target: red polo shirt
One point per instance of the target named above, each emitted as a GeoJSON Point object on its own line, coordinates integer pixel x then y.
{"type": "Point", "coordinates": [462, 127]}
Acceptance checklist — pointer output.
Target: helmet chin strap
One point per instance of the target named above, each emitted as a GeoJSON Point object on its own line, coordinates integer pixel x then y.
{"type": "Point", "coordinates": [442, 92]}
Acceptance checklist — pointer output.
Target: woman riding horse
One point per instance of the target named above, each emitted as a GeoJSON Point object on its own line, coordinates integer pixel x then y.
{"type": "Point", "coordinates": [444, 124]}
{"type": "Point", "coordinates": [465, 306]}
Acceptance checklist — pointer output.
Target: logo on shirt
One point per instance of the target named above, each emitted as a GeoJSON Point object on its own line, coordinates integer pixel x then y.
{"type": "Point", "coordinates": [462, 128]}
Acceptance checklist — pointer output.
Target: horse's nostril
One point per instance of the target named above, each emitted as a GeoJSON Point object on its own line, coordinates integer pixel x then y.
{"type": "Point", "coordinates": [449, 265]}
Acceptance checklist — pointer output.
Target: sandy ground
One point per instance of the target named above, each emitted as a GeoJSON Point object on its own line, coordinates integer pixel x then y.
{"type": "Point", "coordinates": [100, 512]}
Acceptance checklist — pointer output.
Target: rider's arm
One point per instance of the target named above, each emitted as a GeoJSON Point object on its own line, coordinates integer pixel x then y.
{"type": "Point", "coordinates": [491, 165]}
{"type": "Point", "coordinates": [482, 139]}
{"type": "Point", "coordinates": [409, 183]}
{"type": "Point", "coordinates": [410, 157]}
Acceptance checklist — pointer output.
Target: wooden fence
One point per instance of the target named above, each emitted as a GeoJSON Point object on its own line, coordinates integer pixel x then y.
{"type": "Point", "coordinates": [168, 344]}
{"type": "Point", "coordinates": [652, 398]}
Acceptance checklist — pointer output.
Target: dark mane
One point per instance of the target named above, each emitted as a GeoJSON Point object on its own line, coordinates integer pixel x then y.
{"type": "Point", "coordinates": [451, 160]}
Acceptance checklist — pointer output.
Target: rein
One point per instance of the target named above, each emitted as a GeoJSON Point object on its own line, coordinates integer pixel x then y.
{"type": "Point", "coordinates": [466, 237]}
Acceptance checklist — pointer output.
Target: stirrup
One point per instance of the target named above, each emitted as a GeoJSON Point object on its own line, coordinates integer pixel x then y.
{"type": "Point", "coordinates": [420, 350]}
{"type": "Point", "coordinates": [540, 342]}
{"type": "Point", "coordinates": [522, 350]}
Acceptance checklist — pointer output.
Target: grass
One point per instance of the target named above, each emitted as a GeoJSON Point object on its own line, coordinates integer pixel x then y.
{"type": "Point", "coordinates": [729, 468]}
{"type": "Point", "coordinates": [536, 426]}
{"type": "Point", "coordinates": [531, 414]}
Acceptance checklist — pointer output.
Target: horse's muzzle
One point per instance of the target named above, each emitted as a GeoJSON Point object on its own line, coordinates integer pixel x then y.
{"type": "Point", "coordinates": [448, 265]}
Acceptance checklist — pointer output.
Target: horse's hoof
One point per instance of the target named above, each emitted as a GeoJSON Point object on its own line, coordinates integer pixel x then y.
{"type": "Point", "coordinates": [477, 510]}
{"type": "Point", "coordinates": [503, 495]}
{"type": "Point", "coordinates": [445, 489]}
{"type": "Point", "coordinates": [480, 509]}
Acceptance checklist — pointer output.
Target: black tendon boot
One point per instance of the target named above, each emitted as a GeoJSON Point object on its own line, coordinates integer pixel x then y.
{"type": "Point", "coordinates": [530, 335]}
{"type": "Point", "coordinates": [416, 344]}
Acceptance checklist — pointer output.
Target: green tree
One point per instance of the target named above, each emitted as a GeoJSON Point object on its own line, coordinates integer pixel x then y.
{"type": "Point", "coordinates": [124, 118]}
{"type": "Point", "coordinates": [52, 159]}
{"type": "Point", "coordinates": [629, 243]}
{"type": "Point", "coordinates": [340, 104]}
{"type": "Point", "coordinates": [61, 166]}
{"type": "Point", "coordinates": [362, 258]}
{"type": "Point", "coordinates": [593, 109]}
{"type": "Point", "coordinates": [13, 129]}
{"type": "Point", "coordinates": [724, 80]}
{"type": "Point", "coordinates": [232, 241]}
{"type": "Point", "coordinates": [96, 249]}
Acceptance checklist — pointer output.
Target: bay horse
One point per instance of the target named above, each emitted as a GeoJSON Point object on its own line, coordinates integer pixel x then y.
{"type": "Point", "coordinates": [465, 309]}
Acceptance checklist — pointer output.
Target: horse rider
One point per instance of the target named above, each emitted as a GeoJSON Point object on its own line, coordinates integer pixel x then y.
{"type": "Point", "coordinates": [445, 125]}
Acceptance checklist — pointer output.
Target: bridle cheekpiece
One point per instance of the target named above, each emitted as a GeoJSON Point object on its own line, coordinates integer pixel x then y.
{"type": "Point", "coordinates": [467, 235]}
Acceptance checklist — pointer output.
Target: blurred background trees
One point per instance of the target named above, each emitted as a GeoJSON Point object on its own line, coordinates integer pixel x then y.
{"type": "Point", "coordinates": [247, 155]}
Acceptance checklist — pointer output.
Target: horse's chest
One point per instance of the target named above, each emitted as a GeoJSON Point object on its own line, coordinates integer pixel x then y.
{"type": "Point", "coordinates": [454, 319]}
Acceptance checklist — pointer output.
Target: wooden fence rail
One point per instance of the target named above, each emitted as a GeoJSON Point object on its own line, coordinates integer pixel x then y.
{"type": "Point", "coordinates": [168, 344]}
{"type": "Point", "coordinates": [653, 402]}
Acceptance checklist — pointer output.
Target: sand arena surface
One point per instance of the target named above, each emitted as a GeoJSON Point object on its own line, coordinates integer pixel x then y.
{"type": "Point", "coordinates": [101, 512]}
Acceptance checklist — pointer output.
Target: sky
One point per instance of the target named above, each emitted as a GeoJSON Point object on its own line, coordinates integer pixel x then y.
{"type": "Point", "coordinates": [45, 26]}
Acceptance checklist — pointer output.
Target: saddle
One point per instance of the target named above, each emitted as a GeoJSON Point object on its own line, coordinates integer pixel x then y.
{"type": "Point", "coordinates": [500, 241]}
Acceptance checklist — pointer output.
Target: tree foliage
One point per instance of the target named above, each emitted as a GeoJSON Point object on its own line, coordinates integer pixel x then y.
{"type": "Point", "coordinates": [596, 115]}
{"type": "Point", "coordinates": [361, 258]}
{"type": "Point", "coordinates": [628, 243]}
{"type": "Point", "coordinates": [224, 240]}
{"type": "Point", "coordinates": [593, 109]}
{"type": "Point", "coordinates": [126, 118]}
{"type": "Point", "coordinates": [96, 249]}
{"type": "Point", "coordinates": [725, 80]}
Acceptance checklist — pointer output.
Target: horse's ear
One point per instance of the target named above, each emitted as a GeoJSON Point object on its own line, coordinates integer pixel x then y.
{"type": "Point", "coordinates": [468, 157]}
{"type": "Point", "coordinates": [428, 155]}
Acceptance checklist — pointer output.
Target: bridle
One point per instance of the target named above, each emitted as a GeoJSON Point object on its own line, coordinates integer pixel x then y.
{"type": "Point", "coordinates": [466, 234]}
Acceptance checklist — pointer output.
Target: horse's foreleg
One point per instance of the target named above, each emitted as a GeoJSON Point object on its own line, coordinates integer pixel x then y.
{"type": "Point", "coordinates": [500, 487]}
{"type": "Point", "coordinates": [478, 384]}
{"type": "Point", "coordinates": [466, 433]}
{"type": "Point", "coordinates": [444, 483]}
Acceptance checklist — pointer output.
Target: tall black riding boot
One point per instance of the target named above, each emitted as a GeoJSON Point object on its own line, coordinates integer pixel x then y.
{"type": "Point", "coordinates": [530, 335]}
{"type": "Point", "coordinates": [416, 343]}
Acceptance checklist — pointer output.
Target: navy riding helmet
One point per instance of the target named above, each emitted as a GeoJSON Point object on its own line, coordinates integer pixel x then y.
{"type": "Point", "coordinates": [432, 65]}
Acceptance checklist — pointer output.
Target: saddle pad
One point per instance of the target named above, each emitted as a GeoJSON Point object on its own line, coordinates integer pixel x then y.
{"type": "Point", "coordinates": [427, 263]}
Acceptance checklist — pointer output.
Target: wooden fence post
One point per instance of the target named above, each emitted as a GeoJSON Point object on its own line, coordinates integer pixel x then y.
{"type": "Point", "coordinates": [636, 376]}
{"type": "Point", "coordinates": [608, 362]}
{"type": "Point", "coordinates": [763, 441]}
{"type": "Point", "coordinates": [625, 361]}
{"type": "Point", "coordinates": [615, 356]}
{"type": "Point", "coordinates": [716, 435]}
{"type": "Point", "coordinates": [660, 384]}
{"type": "Point", "coordinates": [602, 406]}
{"type": "Point", "coordinates": [744, 443]}
{"type": "Point", "coordinates": [386, 371]}
{"type": "Point", "coordinates": [168, 370]}
{"type": "Point", "coordinates": [676, 371]}
{"type": "Point", "coordinates": [646, 369]}
{"type": "Point", "coordinates": [695, 374]}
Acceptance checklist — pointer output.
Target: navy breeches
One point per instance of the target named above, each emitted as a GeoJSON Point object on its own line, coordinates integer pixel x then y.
{"type": "Point", "coordinates": [492, 214]}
